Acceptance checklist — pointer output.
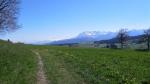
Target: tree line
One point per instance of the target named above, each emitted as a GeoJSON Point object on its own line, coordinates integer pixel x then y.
{"type": "Point", "coordinates": [123, 36]}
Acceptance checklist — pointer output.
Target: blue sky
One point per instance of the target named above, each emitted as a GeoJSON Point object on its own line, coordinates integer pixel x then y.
{"type": "Point", "coordinates": [60, 19]}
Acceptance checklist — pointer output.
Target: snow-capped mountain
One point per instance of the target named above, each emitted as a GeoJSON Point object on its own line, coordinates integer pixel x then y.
{"type": "Point", "coordinates": [91, 34]}
{"type": "Point", "coordinates": [95, 36]}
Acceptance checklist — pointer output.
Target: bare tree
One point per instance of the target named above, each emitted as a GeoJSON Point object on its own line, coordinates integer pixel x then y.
{"type": "Point", "coordinates": [146, 38]}
{"type": "Point", "coordinates": [8, 15]}
{"type": "Point", "coordinates": [122, 36]}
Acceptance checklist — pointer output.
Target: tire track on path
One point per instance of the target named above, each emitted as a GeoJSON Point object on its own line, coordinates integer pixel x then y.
{"type": "Point", "coordinates": [41, 77]}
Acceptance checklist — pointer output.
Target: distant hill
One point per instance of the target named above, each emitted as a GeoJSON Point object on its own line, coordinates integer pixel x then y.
{"type": "Point", "coordinates": [134, 39]}
{"type": "Point", "coordinates": [91, 36]}
{"type": "Point", "coordinates": [40, 42]}
{"type": "Point", "coordinates": [87, 37]}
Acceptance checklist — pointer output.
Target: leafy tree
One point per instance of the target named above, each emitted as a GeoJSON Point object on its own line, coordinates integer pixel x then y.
{"type": "Point", "coordinates": [9, 10]}
{"type": "Point", "coordinates": [122, 36]}
{"type": "Point", "coordinates": [146, 38]}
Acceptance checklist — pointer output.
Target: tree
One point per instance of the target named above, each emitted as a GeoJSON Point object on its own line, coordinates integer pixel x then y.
{"type": "Point", "coordinates": [146, 38]}
{"type": "Point", "coordinates": [8, 15]}
{"type": "Point", "coordinates": [122, 36]}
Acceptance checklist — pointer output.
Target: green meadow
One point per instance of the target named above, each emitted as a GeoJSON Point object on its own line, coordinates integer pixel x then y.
{"type": "Point", "coordinates": [70, 65]}
{"type": "Point", "coordinates": [18, 65]}
{"type": "Point", "coordinates": [96, 66]}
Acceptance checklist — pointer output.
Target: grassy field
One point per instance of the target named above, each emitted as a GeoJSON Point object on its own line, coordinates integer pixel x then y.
{"type": "Point", "coordinates": [18, 65]}
{"type": "Point", "coordinates": [66, 65]}
{"type": "Point", "coordinates": [96, 66]}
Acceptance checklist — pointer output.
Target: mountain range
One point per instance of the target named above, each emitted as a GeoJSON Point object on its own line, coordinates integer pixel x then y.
{"type": "Point", "coordinates": [90, 36]}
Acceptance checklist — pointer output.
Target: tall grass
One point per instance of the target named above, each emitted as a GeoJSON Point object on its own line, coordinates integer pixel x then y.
{"type": "Point", "coordinates": [100, 66]}
{"type": "Point", "coordinates": [64, 65]}
{"type": "Point", "coordinates": [17, 64]}
{"type": "Point", "coordinates": [57, 71]}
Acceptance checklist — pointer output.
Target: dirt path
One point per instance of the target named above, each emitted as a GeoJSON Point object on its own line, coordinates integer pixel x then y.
{"type": "Point", "coordinates": [41, 78]}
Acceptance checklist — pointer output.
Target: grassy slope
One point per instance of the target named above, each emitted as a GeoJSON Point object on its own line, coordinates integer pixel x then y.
{"type": "Point", "coordinates": [17, 64]}
{"type": "Point", "coordinates": [97, 66]}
